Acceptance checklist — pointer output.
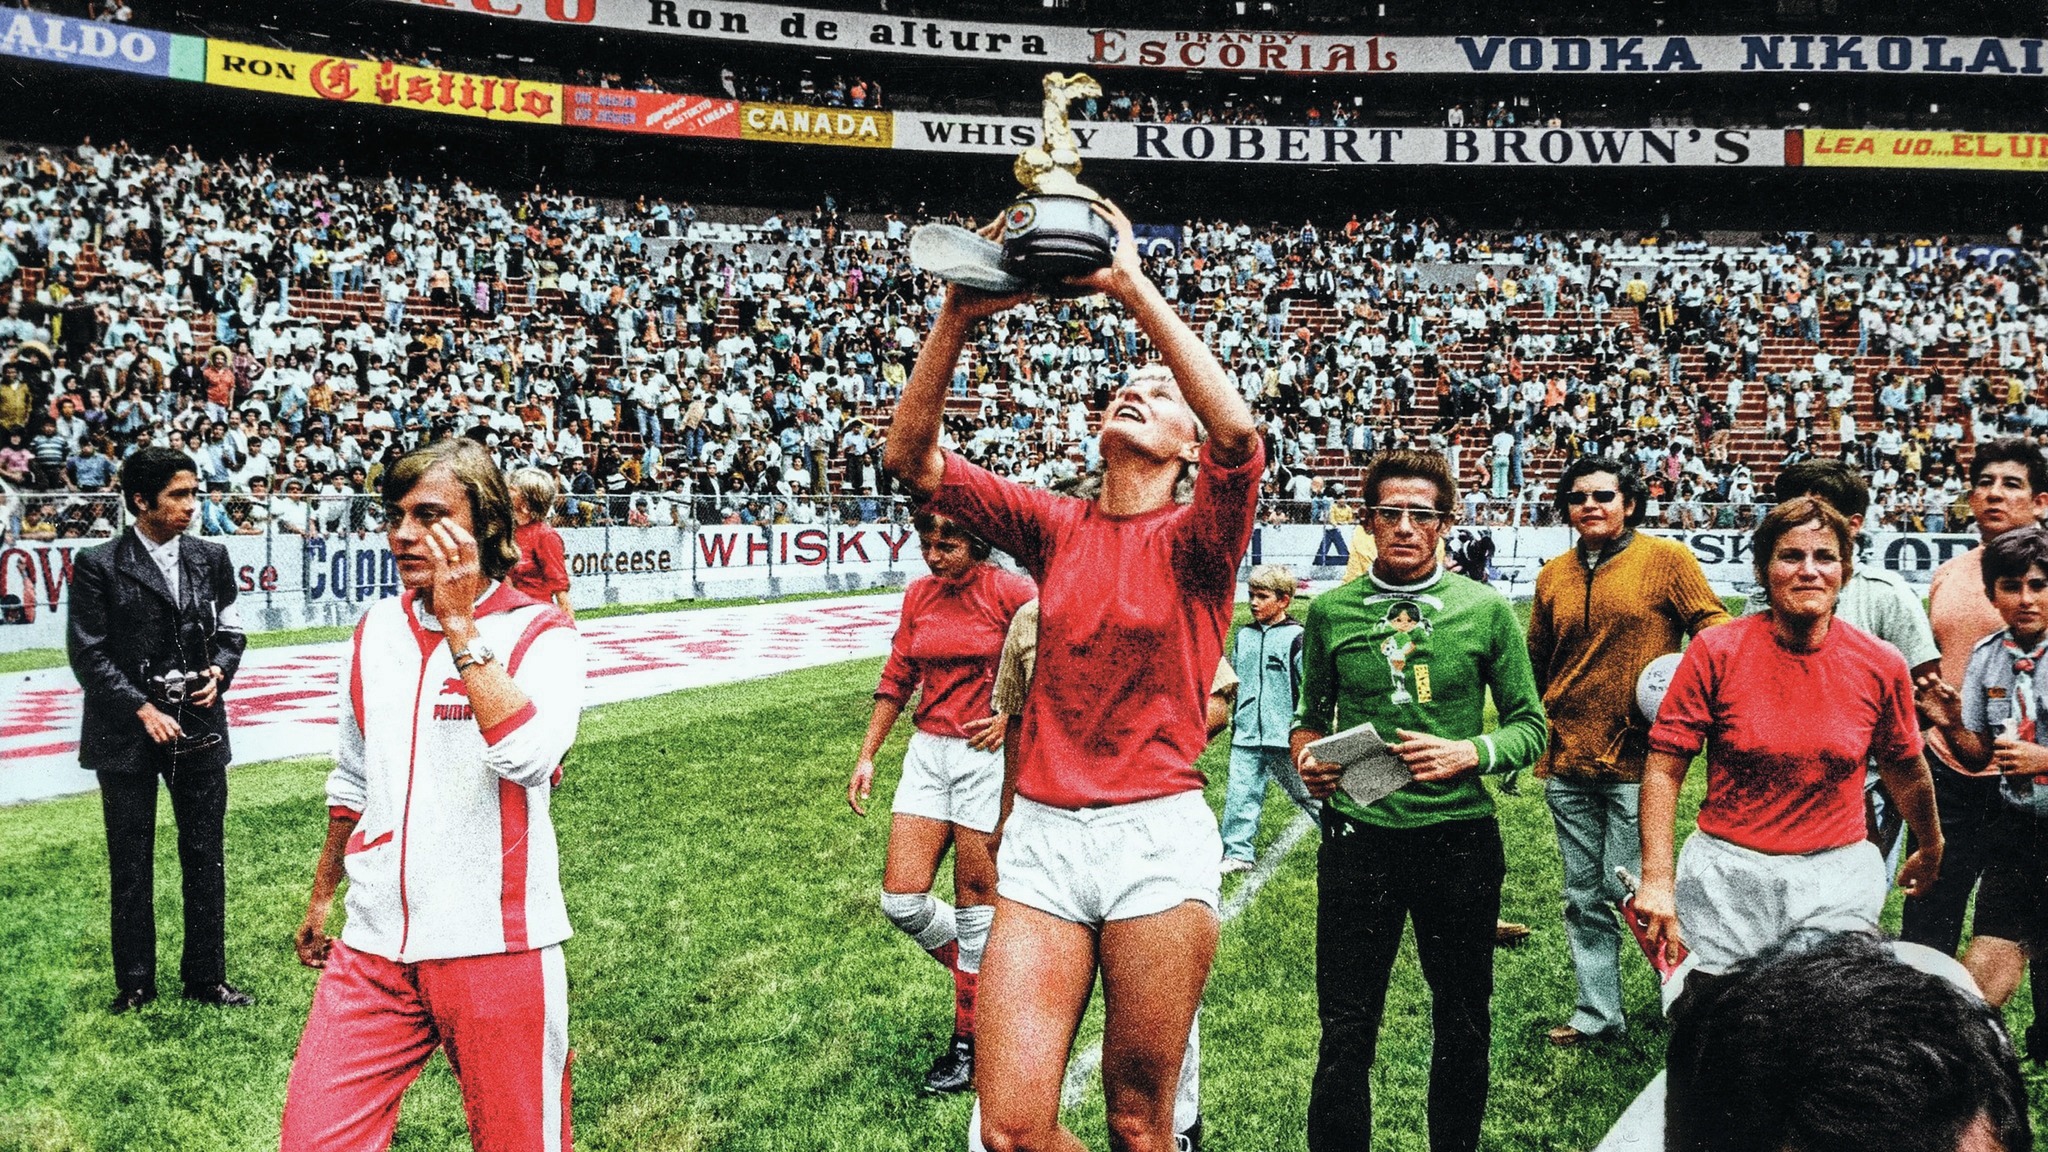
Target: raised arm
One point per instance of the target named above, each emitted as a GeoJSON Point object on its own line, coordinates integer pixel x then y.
{"type": "Point", "coordinates": [913, 456]}
{"type": "Point", "coordinates": [1202, 381]}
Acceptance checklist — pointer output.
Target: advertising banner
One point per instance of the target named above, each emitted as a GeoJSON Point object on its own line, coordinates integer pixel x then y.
{"type": "Point", "coordinates": [1871, 148]}
{"type": "Point", "coordinates": [1157, 239]}
{"type": "Point", "coordinates": [296, 582]}
{"type": "Point", "coordinates": [63, 40]}
{"type": "Point", "coordinates": [815, 28]}
{"type": "Point", "coordinates": [35, 584]}
{"type": "Point", "coordinates": [1273, 144]}
{"type": "Point", "coordinates": [653, 112]}
{"type": "Point", "coordinates": [803, 124]}
{"type": "Point", "coordinates": [289, 581]}
{"type": "Point", "coordinates": [1513, 556]}
{"type": "Point", "coordinates": [338, 78]}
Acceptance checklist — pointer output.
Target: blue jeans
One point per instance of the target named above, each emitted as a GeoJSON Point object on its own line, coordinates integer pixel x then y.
{"type": "Point", "coordinates": [1597, 831]}
{"type": "Point", "coordinates": [1250, 769]}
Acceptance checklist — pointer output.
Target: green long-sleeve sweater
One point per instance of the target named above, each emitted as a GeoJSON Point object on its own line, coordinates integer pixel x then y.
{"type": "Point", "coordinates": [1422, 657]}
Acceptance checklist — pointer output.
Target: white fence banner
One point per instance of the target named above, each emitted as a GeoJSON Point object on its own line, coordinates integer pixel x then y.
{"type": "Point", "coordinates": [299, 582]}
{"type": "Point", "coordinates": [1512, 556]}
{"type": "Point", "coordinates": [291, 581]}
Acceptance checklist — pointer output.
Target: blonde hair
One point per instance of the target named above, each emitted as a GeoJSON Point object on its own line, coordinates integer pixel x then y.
{"type": "Point", "coordinates": [1275, 578]}
{"type": "Point", "coordinates": [536, 487]}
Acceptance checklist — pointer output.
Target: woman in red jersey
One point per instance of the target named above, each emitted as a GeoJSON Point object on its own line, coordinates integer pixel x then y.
{"type": "Point", "coordinates": [1791, 705]}
{"type": "Point", "coordinates": [1108, 858]}
{"type": "Point", "coordinates": [543, 569]}
{"type": "Point", "coordinates": [949, 639]}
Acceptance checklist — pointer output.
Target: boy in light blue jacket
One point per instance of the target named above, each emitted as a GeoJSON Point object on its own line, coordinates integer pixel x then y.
{"type": "Point", "coordinates": [1267, 659]}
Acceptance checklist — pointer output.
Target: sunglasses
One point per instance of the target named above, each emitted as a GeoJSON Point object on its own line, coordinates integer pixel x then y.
{"type": "Point", "coordinates": [1602, 496]}
{"type": "Point", "coordinates": [1389, 515]}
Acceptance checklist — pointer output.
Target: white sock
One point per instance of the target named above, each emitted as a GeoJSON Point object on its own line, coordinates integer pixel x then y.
{"type": "Point", "coordinates": [972, 923]}
{"type": "Point", "coordinates": [922, 917]}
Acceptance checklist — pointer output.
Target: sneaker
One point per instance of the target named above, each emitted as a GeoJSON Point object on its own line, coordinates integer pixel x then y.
{"type": "Point", "coordinates": [1508, 934]}
{"type": "Point", "coordinates": [953, 1071]}
{"type": "Point", "coordinates": [1189, 1139]}
{"type": "Point", "coordinates": [1233, 864]}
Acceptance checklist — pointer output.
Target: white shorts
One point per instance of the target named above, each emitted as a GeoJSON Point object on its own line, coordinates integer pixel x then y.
{"type": "Point", "coordinates": [944, 779]}
{"type": "Point", "coordinates": [1734, 902]}
{"type": "Point", "coordinates": [1093, 865]}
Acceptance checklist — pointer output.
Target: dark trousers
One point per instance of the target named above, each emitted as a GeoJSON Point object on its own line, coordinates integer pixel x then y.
{"type": "Point", "coordinates": [1447, 877]}
{"type": "Point", "coordinates": [1966, 805]}
{"type": "Point", "coordinates": [199, 802]}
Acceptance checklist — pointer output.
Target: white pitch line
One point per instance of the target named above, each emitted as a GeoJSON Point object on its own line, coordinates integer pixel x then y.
{"type": "Point", "coordinates": [1081, 1070]}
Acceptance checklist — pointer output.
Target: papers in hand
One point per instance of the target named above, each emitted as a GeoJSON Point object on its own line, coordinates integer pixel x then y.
{"type": "Point", "coordinates": [1371, 770]}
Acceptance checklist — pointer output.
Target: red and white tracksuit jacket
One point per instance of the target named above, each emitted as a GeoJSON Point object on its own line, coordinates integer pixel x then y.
{"type": "Point", "coordinates": [454, 854]}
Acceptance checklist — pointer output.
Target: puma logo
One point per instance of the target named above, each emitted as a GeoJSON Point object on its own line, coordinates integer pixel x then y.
{"type": "Point", "coordinates": [453, 686]}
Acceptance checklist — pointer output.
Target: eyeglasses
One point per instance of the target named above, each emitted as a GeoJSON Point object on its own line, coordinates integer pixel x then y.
{"type": "Point", "coordinates": [1603, 496]}
{"type": "Point", "coordinates": [1389, 515]}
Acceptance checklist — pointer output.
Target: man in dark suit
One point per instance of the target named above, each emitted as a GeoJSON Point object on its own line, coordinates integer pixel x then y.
{"type": "Point", "coordinates": [155, 638]}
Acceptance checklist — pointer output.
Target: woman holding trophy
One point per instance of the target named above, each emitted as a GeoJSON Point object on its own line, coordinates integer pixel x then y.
{"type": "Point", "coordinates": [1108, 851]}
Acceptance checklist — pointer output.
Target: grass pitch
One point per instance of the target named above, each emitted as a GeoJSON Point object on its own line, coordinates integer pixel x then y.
{"type": "Point", "coordinates": [733, 984]}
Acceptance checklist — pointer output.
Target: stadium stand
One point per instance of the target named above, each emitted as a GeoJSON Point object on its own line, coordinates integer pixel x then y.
{"type": "Point", "coordinates": [749, 359]}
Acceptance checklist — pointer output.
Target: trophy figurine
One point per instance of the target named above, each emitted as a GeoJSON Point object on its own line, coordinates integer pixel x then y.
{"type": "Point", "coordinates": [1051, 234]}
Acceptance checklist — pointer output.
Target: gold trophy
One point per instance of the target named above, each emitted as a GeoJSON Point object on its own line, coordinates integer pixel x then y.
{"type": "Point", "coordinates": [1051, 234]}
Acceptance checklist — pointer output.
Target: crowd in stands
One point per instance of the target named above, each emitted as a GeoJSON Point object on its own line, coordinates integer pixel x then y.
{"type": "Point", "coordinates": [804, 87]}
{"type": "Point", "coordinates": [295, 331]}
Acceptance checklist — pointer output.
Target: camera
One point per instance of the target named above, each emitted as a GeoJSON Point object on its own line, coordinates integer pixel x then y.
{"type": "Point", "coordinates": [175, 687]}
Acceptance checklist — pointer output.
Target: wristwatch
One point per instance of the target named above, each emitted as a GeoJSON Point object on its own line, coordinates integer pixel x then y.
{"type": "Point", "coordinates": [477, 654]}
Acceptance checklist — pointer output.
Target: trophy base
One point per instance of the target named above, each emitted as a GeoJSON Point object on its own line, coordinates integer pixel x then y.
{"type": "Point", "coordinates": [1050, 239]}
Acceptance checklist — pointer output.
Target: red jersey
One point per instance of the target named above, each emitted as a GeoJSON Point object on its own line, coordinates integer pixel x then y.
{"type": "Point", "coordinates": [1132, 614]}
{"type": "Point", "coordinates": [949, 640]}
{"type": "Point", "coordinates": [1787, 733]}
{"type": "Point", "coordinates": [542, 570]}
